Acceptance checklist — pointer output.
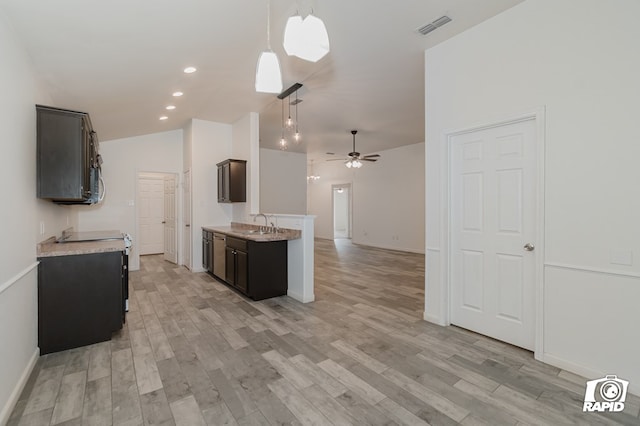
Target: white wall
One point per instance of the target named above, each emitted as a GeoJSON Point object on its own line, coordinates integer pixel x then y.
{"type": "Point", "coordinates": [20, 217]}
{"type": "Point", "coordinates": [123, 160]}
{"type": "Point", "coordinates": [388, 199]}
{"type": "Point", "coordinates": [246, 146]}
{"type": "Point", "coordinates": [558, 55]}
{"type": "Point", "coordinates": [283, 182]}
{"type": "Point", "coordinates": [210, 144]}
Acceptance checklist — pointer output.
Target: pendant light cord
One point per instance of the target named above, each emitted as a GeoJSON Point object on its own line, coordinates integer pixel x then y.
{"type": "Point", "coordinates": [269, 24]}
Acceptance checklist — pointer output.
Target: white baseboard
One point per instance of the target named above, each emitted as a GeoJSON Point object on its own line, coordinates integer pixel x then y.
{"type": "Point", "coordinates": [17, 390]}
{"type": "Point", "coordinates": [300, 297]}
{"type": "Point", "coordinates": [384, 247]}
{"type": "Point", "coordinates": [581, 370]}
{"type": "Point", "coordinates": [433, 319]}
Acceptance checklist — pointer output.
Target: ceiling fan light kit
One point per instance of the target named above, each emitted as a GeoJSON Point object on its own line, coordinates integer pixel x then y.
{"type": "Point", "coordinates": [268, 75]}
{"type": "Point", "coordinates": [355, 160]}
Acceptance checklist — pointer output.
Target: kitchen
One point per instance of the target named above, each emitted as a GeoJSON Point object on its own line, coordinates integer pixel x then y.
{"type": "Point", "coordinates": [22, 224]}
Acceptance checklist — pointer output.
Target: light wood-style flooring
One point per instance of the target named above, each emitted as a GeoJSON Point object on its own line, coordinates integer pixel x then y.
{"type": "Point", "coordinates": [193, 352]}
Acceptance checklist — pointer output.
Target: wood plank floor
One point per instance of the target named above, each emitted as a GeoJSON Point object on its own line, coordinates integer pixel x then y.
{"type": "Point", "coordinates": [193, 352]}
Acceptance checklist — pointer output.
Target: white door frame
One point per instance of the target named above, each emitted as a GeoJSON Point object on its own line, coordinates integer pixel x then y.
{"type": "Point", "coordinates": [445, 230]}
{"type": "Point", "coordinates": [349, 206]}
{"type": "Point", "coordinates": [139, 174]}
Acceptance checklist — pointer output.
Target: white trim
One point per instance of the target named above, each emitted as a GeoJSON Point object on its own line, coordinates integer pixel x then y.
{"type": "Point", "coordinates": [18, 276]}
{"type": "Point", "coordinates": [433, 319]}
{"type": "Point", "coordinates": [300, 298]}
{"type": "Point", "coordinates": [592, 270]}
{"type": "Point", "coordinates": [538, 115]}
{"type": "Point", "coordinates": [17, 390]}
{"type": "Point", "coordinates": [391, 248]}
{"type": "Point", "coordinates": [434, 249]}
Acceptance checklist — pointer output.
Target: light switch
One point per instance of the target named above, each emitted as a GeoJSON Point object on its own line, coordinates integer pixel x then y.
{"type": "Point", "coordinates": [621, 257]}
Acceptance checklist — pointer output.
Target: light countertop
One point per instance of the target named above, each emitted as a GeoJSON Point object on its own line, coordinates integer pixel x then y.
{"type": "Point", "coordinates": [249, 232]}
{"type": "Point", "coordinates": [50, 248]}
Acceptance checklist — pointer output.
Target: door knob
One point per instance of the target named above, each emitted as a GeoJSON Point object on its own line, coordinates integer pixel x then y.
{"type": "Point", "coordinates": [164, 222]}
{"type": "Point", "coordinates": [529, 247]}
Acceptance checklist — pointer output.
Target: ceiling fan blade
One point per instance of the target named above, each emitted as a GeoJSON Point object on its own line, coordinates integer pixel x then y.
{"type": "Point", "coordinates": [371, 156]}
{"type": "Point", "coordinates": [373, 160]}
{"type": "Point", "coordinates": [338, 159]}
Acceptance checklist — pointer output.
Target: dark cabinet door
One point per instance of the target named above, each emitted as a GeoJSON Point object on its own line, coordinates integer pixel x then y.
{"type": "Point", "coordinates": [79, 300]}
{"type": "Point", "coordinates": [222, 195]}
{"type": "Point", "coordinates": [232, 181]}
{"type": "Point", "coordinates": [242, 271]}
{"type": "Point", "coordinates": [204, 253]}
{"type": "Point", "coordinates": [66, 152]}
{"type": "Point", "coordinates": [230, 263]}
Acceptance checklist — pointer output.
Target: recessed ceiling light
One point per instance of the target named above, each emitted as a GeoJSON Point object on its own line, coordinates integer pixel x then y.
{"type": "Point", "coordinates": [164, 117]}
{"type": "Point", "coordinates": [170, 107]}
{"type": "Point", "coordinates": [190, 70]}
{"type": "Point", "coordinates": [177, 94]}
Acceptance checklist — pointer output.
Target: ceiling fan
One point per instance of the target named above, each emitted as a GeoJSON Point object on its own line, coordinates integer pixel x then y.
{"type": "Point", "coordinates": [355, 159]}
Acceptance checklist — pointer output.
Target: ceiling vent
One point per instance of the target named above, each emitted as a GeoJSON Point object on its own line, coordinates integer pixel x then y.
{"type": "Point", "coordinates": [426, 29]}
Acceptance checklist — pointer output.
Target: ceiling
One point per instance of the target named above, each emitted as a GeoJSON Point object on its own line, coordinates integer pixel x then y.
{"type": "Point", "coordinates": [120, 60]}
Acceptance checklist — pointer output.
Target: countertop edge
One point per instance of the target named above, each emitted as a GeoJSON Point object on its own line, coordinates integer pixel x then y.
{"type": "Point", "coordinates": [236, 231]}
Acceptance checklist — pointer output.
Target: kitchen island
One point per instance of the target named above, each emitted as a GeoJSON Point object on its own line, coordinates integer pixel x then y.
{"type": "Point", "coordinates": [248, 259]}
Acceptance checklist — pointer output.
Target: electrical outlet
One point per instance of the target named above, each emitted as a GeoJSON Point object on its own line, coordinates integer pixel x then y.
{"type": "Point", "coordinates": [42, 227]}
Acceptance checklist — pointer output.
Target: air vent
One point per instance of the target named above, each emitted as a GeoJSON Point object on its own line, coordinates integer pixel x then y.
{"type": "Point", "coordinates": [426, 29]}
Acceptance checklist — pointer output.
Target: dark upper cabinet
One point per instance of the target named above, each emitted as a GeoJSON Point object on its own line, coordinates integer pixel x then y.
{"type": "Point", "coordinates": [232, 181]}
{"type": "Point", "coordinates": [68, 168]}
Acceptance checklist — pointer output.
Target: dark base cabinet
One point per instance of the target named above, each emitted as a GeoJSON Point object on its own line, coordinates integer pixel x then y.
{"type": "Point", "coordinates": [256, 269]}
{"type": "Point", "coordinates": [80, 299]}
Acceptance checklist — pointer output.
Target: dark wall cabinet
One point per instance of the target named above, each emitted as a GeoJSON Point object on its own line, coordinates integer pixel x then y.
{"type": "Point", "coordinates": [80, 299]}
{"type": "Point", "coordinates": [232, 181]}
{"type": "Point", "coordinates": [67, 157]}
{"type": "Point", "coordinates": [256, 269]}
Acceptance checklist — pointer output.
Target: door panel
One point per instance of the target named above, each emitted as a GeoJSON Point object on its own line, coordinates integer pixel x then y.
{"type": "Point", "coordinates": [242, 268]}
{"type": "Point", "coordinates": [186, 247]}
{"type": "Point", "coordinates": [151, 215]}
{"type": "Point", "coordinates": [170, 219]}
{"type": "Point", "coordinates": [493, 198]}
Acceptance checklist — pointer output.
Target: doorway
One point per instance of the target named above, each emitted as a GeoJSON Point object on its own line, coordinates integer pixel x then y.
{"type": "Point", "coordinates": [341, 196]}
{"type": "Point", "coordinates": [494, 225]}
{"type": "Point", "coordinates": [156, 201]}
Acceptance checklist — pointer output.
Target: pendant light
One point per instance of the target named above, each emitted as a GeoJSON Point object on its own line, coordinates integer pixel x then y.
{"type": "Point", "coordinates": [297, 136]}
{"type": "Point", "coordinates": [268, 76]}
{"type": "Point", "coordinates": [306, 38]}
{"type": "Point", "coordinates": [283, 141]}
{"type": "Point", "coordinates": [289, 122]}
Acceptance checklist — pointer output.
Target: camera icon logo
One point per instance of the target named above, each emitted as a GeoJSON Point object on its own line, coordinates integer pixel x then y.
{"type": "Point", "coordinates": [606, 394]}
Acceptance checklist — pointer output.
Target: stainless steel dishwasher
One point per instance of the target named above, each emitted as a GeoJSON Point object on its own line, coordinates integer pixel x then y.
{"type": "Point", "coordinates": [219, 247]}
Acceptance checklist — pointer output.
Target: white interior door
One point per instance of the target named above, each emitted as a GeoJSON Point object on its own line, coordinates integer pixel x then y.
{"type": "Point", "coordinates": [170, 243]}
{"type": "Point", "coordinates": [187, 219]}
{"type": "Point", "coordinates": [341, 211]}
{"type": "Point", "coordinates": [493, 218]}
{"type": "Point", "coordinates": [151, 214]}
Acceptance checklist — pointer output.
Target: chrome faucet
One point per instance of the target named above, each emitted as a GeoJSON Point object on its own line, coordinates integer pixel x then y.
{"type": "Point", "coordinates": [266, 224]}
